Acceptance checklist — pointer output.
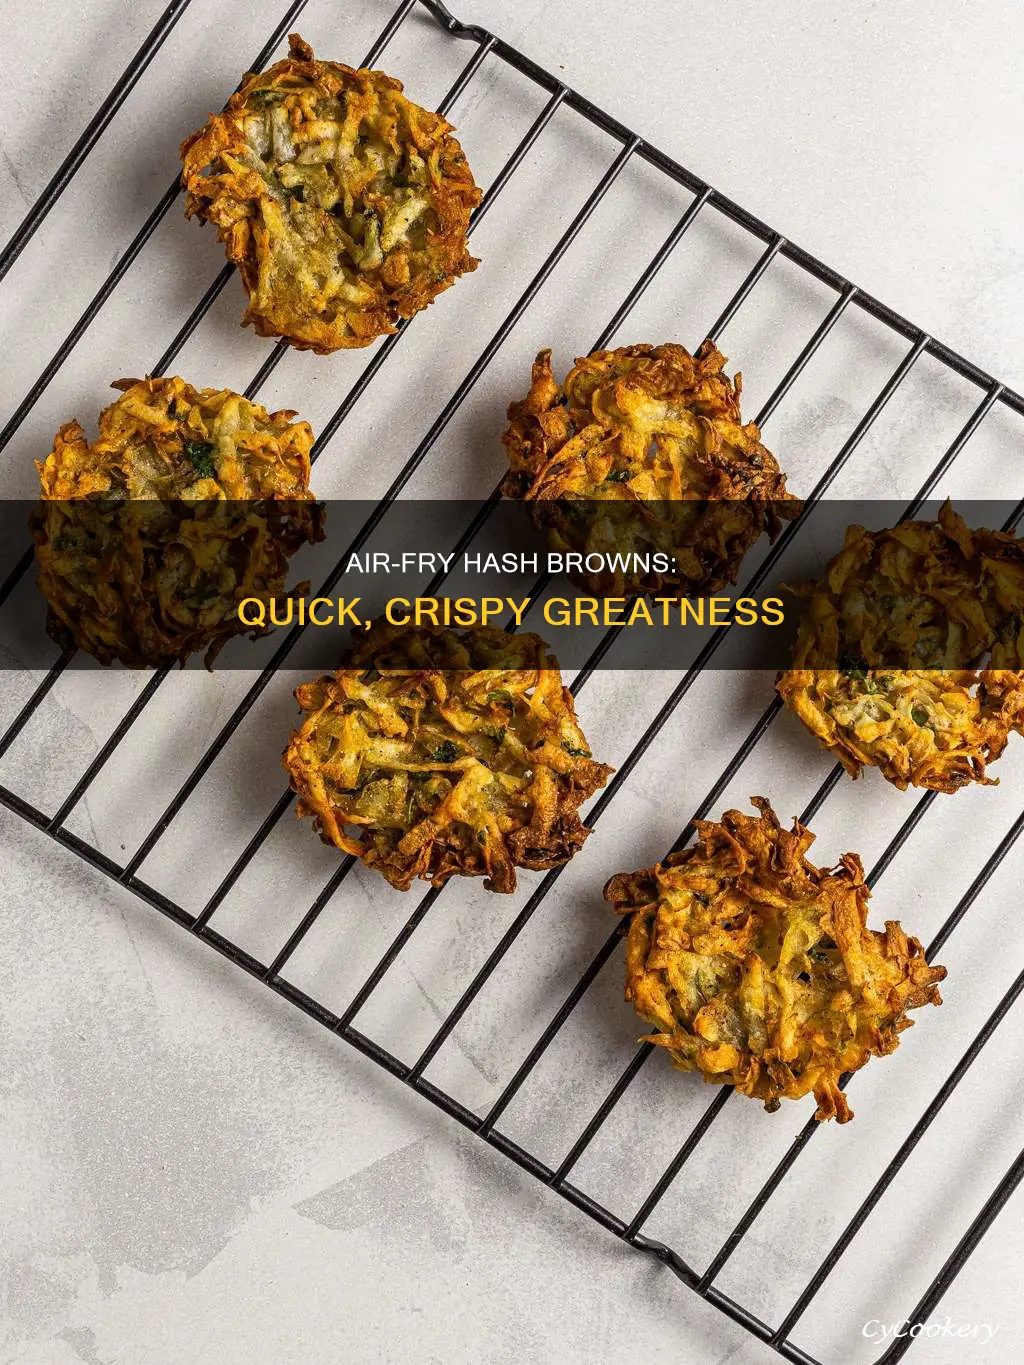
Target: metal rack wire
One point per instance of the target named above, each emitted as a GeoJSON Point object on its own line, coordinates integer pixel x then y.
{"type": "Point", "coordinates": [631, 146]}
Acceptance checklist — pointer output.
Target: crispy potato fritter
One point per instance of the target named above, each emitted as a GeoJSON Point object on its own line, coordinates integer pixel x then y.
{"type": "Point", "coordinates": [148, 538]}
{"type": "Point", "coordinates": [344, 205]}
{"type": "Point", "coordinates": [757, 968]}
{"type": "Point", "coordinates": [447, 753]}
{"type": "Point", "coordinates": [643, 449]}
{"type": "Point", "coordinates": [931, 591]}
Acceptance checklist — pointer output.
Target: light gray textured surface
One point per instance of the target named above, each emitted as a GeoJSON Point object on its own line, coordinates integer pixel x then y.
{"type": "Point", "coordinates": [193, 1174]}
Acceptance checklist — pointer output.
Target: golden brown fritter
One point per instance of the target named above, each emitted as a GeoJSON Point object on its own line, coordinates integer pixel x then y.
{"type": "Point", "coordinates": [444, 752]}
{"type": "Point", "coordinates": [655, 436]}
{"type": "Point", "coordinates": [344, 205]}
{"type": "Point", "coordinates": [928, 591]}
{"type": "Point", "coordinates": [148, 538]}
{"type": "Point", "coordinates": [757, 968]}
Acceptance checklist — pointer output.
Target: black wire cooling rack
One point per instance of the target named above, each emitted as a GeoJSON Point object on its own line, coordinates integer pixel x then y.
{"type": "Point", "coordinates": [483, 45]}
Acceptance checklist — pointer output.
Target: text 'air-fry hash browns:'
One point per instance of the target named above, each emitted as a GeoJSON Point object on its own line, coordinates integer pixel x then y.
{"type": "Point", "coordinates": [187, 503]}
{"type": "Point", "coordinates": [757, 968]}
{"type": "Point", "coordinates": [436, 752]}
{"type": "Point", "coordinates": [644, 449]}
{"type": "Point", "coordinates": [344, 205]}
{"type": "Point", "coordinates": [927, 592]}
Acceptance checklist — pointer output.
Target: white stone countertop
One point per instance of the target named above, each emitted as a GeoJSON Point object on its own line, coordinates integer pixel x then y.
{"type": "Point", "coordinates": [194, 1173]}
